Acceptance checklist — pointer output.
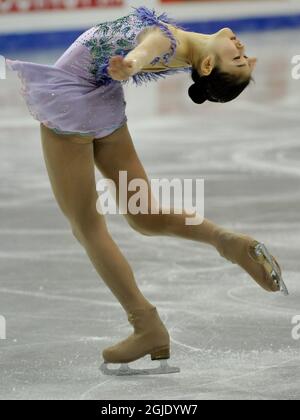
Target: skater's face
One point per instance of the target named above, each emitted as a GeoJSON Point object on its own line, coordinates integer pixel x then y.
{"type": "Point", "coordinates": [231, 55]}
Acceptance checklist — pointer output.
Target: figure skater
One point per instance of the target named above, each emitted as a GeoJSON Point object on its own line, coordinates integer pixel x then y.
{"type": "Point", "coordinates": [80, 104]}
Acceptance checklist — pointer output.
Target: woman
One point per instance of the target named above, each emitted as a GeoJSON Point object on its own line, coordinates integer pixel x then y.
{"type": "Point", "coordinates": [80, 104]}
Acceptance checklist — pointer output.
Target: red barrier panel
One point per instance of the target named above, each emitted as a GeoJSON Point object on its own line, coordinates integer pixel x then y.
{"type": "Point", "coordinates": [197, 1]}
{"type": "Point", "coordinates": [8, 6]}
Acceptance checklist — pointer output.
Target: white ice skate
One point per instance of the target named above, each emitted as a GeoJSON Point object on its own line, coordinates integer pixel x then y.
{"type": "Point", "coordinates": [125, 369]}
{"type": "Point", "coordinates": [262, 253]}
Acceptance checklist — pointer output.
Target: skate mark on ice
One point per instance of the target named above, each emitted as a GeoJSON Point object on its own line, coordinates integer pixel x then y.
{"type": "Point", "coordinates": [13, 202]}
{"type": "Point", "coordinates": [37, 254]}
{"type": "Point", "coordinates": [35, 232]}
{"type": "Point", "coordinates": [55, 342]}
{"type": "Point", "coordinates": [95, 388]}
{"type": "Point", "coordinates": [253, 158]}
{"type": "Point", "coordinates": [192, 348]}
{"type": "Point", "coordinates": [260, 110]}
{"type": "Point", "coordinates": [247, 200]}
{"type": "Point", "coordinates": [39, 295]}
{"type": "Point", "coordinates": [198, 388]}
{"type": "Point", "coordinates": [253, 303]}
{"type": "Point", "coordinates": [49, 317]}
{"type": "Point", "coordinates": [253, 372]}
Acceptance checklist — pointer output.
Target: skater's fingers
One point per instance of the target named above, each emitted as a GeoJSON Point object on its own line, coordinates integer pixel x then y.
{"type": "Point", "coordinates": [119, 69]}
{"type": "Point", "coordinates": [117, 72]}
{"type": "Point", "coordinates": [112, 62]}
{"type": "Point", "coordinates": [128, 63]}
{"type": "Point", "coordinates": [117, 58]}
{"type": "Point", "coordinates": [119, 65]}
{"type": "Point", "coordinates": [122, 74]}
{"type": "Point", "coordinates": [116, 62]}
{"type": "Point", "coordinates": [119, 61]}
{"type": "Point", "coordinates": [122, 67]}
{"type": "Point", "coordinates": [117, 76]}
{"type": "Point", "coordinates": [113, 69]}
{"type": "Point", "coordinates": [122, 70]}
{"type": "Point", "coordinates": [114, 74]}
{"type": "Point", "coordinates": [114, 66]}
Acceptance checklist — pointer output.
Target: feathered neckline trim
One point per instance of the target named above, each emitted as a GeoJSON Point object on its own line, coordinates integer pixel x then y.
{"type": "Point", "coordinates": [151, 17]}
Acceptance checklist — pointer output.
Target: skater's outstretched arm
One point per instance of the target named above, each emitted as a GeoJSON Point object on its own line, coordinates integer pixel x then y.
{"type": "Point", "coordinates": [152, 44]}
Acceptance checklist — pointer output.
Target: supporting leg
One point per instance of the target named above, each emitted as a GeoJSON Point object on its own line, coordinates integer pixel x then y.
{"type": "Point", "coordinates": [70, 167]}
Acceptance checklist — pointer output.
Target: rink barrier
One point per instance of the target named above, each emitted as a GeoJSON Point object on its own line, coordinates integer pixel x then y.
{"type": "Point", "coordinates": [12, 42]}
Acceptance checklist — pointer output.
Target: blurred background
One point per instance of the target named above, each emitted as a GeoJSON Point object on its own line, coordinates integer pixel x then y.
{"type": "Point", "coordinates": [230, 339]}
{"type": "Point", "coordinates": [40, 30]}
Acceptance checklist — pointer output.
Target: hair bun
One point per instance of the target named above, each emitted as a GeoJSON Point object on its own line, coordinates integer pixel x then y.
{"type": "Point", "coordinates": [218, 86]}
{"type": "Point", "coordinates": [197, 94]}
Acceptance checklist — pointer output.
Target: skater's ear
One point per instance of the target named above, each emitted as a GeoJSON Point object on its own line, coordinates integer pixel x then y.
{"type": "Point", "coordinates": [207, 65]}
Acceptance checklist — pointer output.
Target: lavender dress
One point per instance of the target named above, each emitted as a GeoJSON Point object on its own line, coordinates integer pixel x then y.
{"type": "Point", "coordinates": [76, 94]}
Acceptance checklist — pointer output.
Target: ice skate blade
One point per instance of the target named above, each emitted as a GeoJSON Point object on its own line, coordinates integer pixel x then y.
{"type": "Point", "coordinates": [261, 251]}
{"type": "Point", "coordinates": [125, 370]}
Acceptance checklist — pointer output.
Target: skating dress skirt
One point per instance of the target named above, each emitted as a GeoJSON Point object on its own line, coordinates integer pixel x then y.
{"type": "Point", "coordinates": [76, 95]}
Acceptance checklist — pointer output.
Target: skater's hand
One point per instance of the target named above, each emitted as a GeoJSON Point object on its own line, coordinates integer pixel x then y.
{"type": "Point", "coordinates": [121, 68]}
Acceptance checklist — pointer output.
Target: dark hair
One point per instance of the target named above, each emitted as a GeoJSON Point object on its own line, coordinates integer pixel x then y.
{"type": "Point", "coordinates": [217, 87]}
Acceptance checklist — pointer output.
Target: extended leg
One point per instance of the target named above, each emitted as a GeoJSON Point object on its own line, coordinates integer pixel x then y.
{"type": "Point", "coordinates": [117, 153]}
